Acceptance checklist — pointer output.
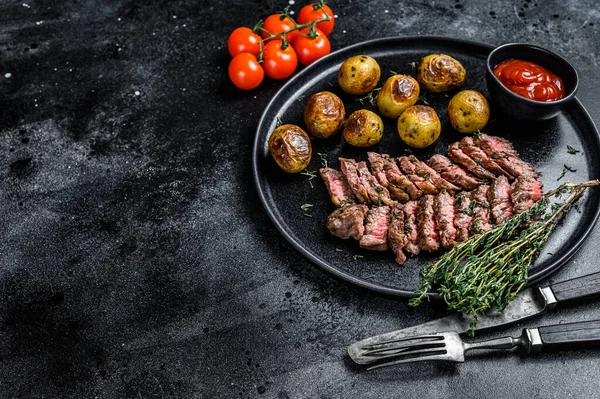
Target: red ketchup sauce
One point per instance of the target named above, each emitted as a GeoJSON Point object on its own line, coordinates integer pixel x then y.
{"type": "Point", "coordinates": [530, 80]}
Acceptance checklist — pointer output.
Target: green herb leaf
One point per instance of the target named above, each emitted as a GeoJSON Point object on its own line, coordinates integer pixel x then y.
{"type": "Point", "coordinates": [572, 150]}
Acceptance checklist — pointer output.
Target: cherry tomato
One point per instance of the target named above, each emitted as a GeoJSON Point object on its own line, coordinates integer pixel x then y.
{"type": "Point", "coordinates": [314, 12]}
{"type": "Point", "coordinates": [279, 63]}
{"type": "Point", "coordinates": [308, 49]}
{"type": "Point", "coordinates": [243, 40]}
{"type": "Point", "coordinates": [245, 72]}
{"type": "Point", "coordinates": [274, 24]}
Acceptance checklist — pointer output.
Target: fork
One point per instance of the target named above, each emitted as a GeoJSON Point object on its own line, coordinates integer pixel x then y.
{"type": "Point", "coordinates": [449, 346]}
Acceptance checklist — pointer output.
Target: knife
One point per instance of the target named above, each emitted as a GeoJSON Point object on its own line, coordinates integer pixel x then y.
{"type": "Point", "coordinates": [530, 302]}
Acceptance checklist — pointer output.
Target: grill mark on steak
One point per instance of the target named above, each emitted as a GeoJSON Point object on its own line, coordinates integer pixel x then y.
{"type": "Point", "coordinates": [478, 155]}
{"type": "Point", "coordinates": [410, 227]}
{"type": "Point", "coordinates": [458, 156]}
{"type": "Point", "coordinates": [379, 195]}
{"type": "Point", "coordinates": [397, 238]}
{"type": "Point", "coordinates": [376, 229]}
{"type": "Point", "coordinates": [452, 172]}
{"type": "Point", "coordinates": [499, 199]}
{"type": "Point", "coordinates": [348, 221]}
{"type": "Point", "coordinates": [526, 190]}
{"type": "Point", "coordinates": [462, 216]}
{"type": "Point", "coordinates": [428, 173]}
{"type": "Point", "coordinates": [428, 238]}
{"type": "Point", "coordinates": [481, 210]}
{"type": "Point", "coordinates": [409, 169]}
{"type": "Point", "coordinates": [337, 185]}
{"type": "Point", "coordinates": [377, 163]}
{"type": "Point", "coordinates": [505, 155]}
{"type": "Point", "coordinates": [350, 170]}
{"type": "Point", "coordinates": [443, 206]}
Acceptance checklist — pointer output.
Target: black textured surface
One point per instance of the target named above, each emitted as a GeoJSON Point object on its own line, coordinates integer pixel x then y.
{"type": "Point", "coordinates": [284, 194]}
{"type": "Point", "coordinates": [135, 257]}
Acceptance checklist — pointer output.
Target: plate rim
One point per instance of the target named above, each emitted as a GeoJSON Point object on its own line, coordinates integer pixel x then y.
{"type": "Point", "coordinates": [352, 279]}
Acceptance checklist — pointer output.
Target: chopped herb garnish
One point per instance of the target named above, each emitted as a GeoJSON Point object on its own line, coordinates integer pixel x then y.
{"type": "Point", "coordinates": [323, 159]}
{"type": "Point", "coordinates": [423, 99]}
{"type": "Point", "coordinates": [306, 207]}
{"type": "Point", "coordinates": [565, 170]}
{"type": "Point", "coordinates": [279, 122]}
{"type": "Point", "coordinates": [572, 150]}
{"type": "Point", "coordinates": [370, 98]}
{"type": "Point", "coordinates": [311, 174]}
{"type": "Point", "coordinates": [300, 98]}
{"type": "Point", "coordinates": [392, 185]}
{"type": "Point", "coordinates": [426, 175]}
{"type": "Point", "coordinates": [413, 64]}
{"type": "Point", "coordinates": [339, 250]}
{"type": "Point", "coordinates": [393, 72]}
{"type": "Point", "coordinates": [347, 201]}
{"type": "Point", "coordinates": [377, 188]}
{"type": "Point", "coordinates": [357, 257]}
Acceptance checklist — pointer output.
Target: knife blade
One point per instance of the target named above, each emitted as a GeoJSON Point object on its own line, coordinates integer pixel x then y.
{"type": "Point", "coordinates": [528, 303]}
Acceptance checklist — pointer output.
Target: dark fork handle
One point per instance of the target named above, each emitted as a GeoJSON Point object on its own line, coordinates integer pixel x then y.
{"type": "Point", "coordinates": [582, 335]}
{"type": "Point", "coordinates": [579, 288]}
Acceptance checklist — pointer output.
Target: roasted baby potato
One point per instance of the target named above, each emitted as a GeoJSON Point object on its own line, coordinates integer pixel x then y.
{"type": "Point", "coordinates": [468, 111]}
{"type": "Point", "coordinates": [324, 114]}
{"type": "Point", "coordinates": [363, 128]}
{"type": "Point", "coordinates": [290, 147]}
{"type": "Point", "coordinates": [397, 93]}
{"type": "Point", "coordinates": [419, 126]}
{"type": "Point", "coordinates": [440, 72]}
{"type": "Point", "coordinates": [359, 75]}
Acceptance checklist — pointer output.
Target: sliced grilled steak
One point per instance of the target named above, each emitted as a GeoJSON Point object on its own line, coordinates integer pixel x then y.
{"type": "Point", "coordinates": [350, 170]}
{"type": "Point", "coordinates": [376, 229]}
{"type": "Point", "coordinates": [377, 163]}
{"type": "Point", "coordinates": [499, 198]}
{"type": "Point", "coordinates": [505, 155]}
{"type": "Point", "coordinates": [410, 171]}
{"type": "Point", "coordinates": [481, 210]}
{"type": "Point", "coordinates": [478, 155]}
{"type": "Point", "coordinates": [396, 236]}
{"type": "Point", "coordinates": [462, 216]}
{"type": "Point", "coordinates": [458, 156]}
{"type": "Point", "coordinates": [452, 172]}
{"type": "Point", "coordinates": [443, 206]}
{"type": "Point", "coordinates": [337, 185]}
{"type": "Point", "coordinates": [428, 173]}
{"type": "Point", "coordinates": [410, 227]}
{"type": "Point", "coordinates": [378, 194]}
{"type": "Point", "coordinates": [525, 192]}
{"type": "Point", "coordinates": [348, 221]}
{"type": "Point", "coordinates": [428, 238]}
{"type": "Point", "coordinates": [395, 176]}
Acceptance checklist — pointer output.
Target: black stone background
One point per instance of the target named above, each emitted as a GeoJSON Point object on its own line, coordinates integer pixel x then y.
{"type": "Point", "coordinates": [135, 257]}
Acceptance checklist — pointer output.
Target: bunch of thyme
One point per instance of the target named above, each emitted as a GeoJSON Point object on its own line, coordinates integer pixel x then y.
{"type": "Point", "coordinates": [489, 269]}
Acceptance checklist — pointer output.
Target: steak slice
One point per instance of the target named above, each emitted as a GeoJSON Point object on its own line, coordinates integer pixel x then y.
{"type": "Point", "coordinates": [478, 155]}
{"type": "Point", "coordinates": [505, 155]}
{"type": "Point", "coordinates": [337, 185]}
{"type": "Point", "coordinates": [350, 170]}
{"type": "Point", "coordinates": [443, 206]}
{"type": "Point", "coordinates": [452, 172]}
{"type": "Point", "coordinates": [397, 238]}
{"type": "Point", "coordinates": [377, 193]}
{"type": "Point", "coordinates": [428, 238]}
{"type": "Point", "coordinates": [377, 163]}
{"type": "Point", "coordinates": [376, 229]}
{"type": "Point", "coordinates": [481, 210]}
{"type": "Point", "coordinates": [475, 167]}
{"type": "Point", "coordinates": [410, 227]}
{"type": "Point", "coordinates": [499, 198]}
{"type": "Point", "coordinates": [348, 221]}
{"type": "Point", "coordinates": [526, 191]}
{"type": "Point", "coordinates": [428, 173]}
{"type": "Point", "coordinates": [395, 176]}
{"type": "Point", "coordinates": [410, 171]}
{"type": "Point", "coordinates": [462, 216]}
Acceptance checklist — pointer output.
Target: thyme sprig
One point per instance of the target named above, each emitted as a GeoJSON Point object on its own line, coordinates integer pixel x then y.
{"type": "Point", "coordinates": [489, 269]}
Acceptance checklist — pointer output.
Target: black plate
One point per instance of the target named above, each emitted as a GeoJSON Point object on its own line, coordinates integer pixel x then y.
{"type": "Point", "coordinates": [544, 144]}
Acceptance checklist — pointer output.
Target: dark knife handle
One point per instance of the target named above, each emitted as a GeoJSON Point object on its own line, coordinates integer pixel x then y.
{"type": "Point", "coordinates": [582, 335]}
{"type": "Point", "coordinates": [579, 288]}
